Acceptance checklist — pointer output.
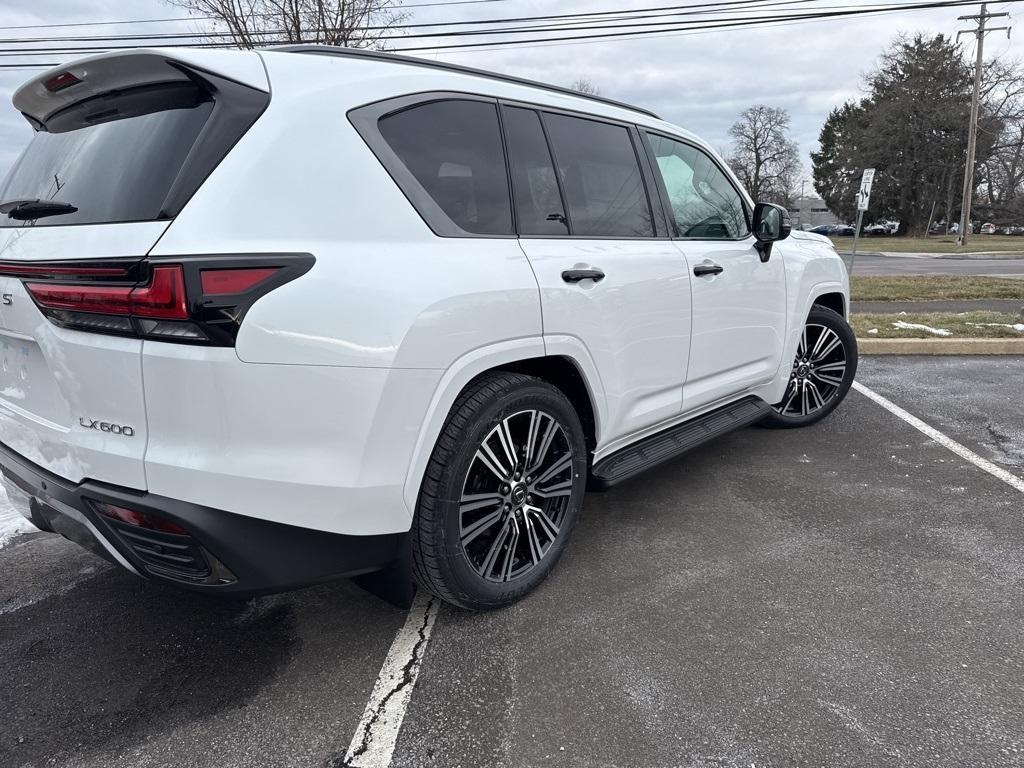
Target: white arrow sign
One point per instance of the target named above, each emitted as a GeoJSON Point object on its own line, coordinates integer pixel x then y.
{"type": "Point", "coordinates": [864, 194]}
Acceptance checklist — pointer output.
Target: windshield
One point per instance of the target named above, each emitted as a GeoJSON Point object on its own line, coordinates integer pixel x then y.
{"type": "Point", "coordinates": [112, 158]}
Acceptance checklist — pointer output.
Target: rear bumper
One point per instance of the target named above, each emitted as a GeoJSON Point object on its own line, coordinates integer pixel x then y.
{"type": "Point", "coordinates": [222, 552]}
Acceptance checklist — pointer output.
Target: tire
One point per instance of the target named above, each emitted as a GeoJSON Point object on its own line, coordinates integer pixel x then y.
{"type": "Point", "coordinates": [470, 497]}
{"type": "Point", "coordinates": [822, 373]}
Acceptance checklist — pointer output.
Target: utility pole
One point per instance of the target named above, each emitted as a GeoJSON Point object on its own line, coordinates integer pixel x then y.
{"type": "Point", "coordinates": [972, 132]}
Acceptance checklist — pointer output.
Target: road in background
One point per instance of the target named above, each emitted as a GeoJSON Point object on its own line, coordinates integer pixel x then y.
{"type": "Point", "coordinates": [870, 264]}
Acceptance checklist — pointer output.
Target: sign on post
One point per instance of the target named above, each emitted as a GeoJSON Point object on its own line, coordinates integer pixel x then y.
{"type": "Point", "coordinates": [864, 193]}
{"type": "Point", "coordinates": [863, 198]}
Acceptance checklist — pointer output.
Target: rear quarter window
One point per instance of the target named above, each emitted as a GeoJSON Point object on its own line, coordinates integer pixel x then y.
{"type": "Point", "coordinates": [448, 158]}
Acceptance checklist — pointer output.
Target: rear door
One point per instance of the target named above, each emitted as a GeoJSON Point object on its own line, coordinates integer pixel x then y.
{"type": "Point", "coordinates": [56, 383]}
{"type": "Point", "coordinates": [608, 274]}
{"type": "Point", "coordinates": [102, 176]}
{"type": "Point", "coordinates": [739, 301]}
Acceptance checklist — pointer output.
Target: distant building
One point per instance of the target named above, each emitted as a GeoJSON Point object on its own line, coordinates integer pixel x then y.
{"type": "Point", "coordinates": [811, 212]}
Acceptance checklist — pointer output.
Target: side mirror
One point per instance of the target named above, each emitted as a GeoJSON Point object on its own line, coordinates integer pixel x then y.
{"type": "Point", "coordinates": [771, 223]}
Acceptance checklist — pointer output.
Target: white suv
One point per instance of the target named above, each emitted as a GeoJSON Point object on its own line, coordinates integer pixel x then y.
{"type": "Point", "coordinates": [275, 317]}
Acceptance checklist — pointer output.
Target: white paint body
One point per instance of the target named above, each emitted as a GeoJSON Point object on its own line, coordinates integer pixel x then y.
{"type": "Point", "coordinates": [325, 413]}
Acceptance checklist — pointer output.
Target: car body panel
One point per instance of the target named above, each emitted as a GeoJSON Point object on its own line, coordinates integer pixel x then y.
{"type": "Point", "coordinates": [54, 381]}
{"type": "Point", "coordinates": [634, 323]}
{"type": "Point", "coordinates": [325, 413]}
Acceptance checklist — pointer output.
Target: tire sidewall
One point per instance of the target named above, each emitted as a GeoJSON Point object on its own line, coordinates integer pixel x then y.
{"type": "Point", "coordinates": [836, 323]}
{"type": "Point", "coordinates": [460, 573]}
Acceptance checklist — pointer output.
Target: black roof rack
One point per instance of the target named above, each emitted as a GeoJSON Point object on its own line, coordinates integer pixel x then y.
{"type": "Point", "coordinates": [330, 50]}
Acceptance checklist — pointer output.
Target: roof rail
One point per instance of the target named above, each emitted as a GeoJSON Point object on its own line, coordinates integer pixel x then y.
{"type": "Point", "coordinates": [331, 50]}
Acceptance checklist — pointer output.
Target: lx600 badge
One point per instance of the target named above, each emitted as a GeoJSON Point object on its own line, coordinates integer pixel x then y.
{"type": "Point", "coordinates": [103, 426]}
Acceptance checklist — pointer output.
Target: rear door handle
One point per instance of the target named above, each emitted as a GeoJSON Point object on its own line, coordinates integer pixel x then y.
{"type": "Point", "coordinates": [575, 275]}
{"type": "Point", "coordinates": [703, 270]}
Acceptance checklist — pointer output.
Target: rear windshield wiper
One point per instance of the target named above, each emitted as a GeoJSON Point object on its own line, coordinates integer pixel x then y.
{"type": "Point", "coordinates": [26, 210]}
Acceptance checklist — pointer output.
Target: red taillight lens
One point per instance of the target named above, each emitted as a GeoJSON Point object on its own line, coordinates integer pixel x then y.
{"type": "Point", "coordinates": [193, 300]}
{"type": "Point", "coordinates": [138, 519]}
{"type": "Point", "coordinates": [163, 298]}
{"type": "Point", "coordinates": [61, 81]}
{"type": "Point", "coordinates": [223, 282]}
{"type": "Point", "coordinates": [107, 300]}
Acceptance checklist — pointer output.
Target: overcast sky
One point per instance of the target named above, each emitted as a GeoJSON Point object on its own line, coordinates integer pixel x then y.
{"type": "Point", "coordinates": [701, 81]}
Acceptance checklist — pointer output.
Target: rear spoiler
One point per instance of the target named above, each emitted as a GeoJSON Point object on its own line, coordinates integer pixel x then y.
{"type": "Point", "coordinates": [68, 84]}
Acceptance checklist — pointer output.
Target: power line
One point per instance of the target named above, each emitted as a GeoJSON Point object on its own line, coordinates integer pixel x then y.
{"type": "Point", "coordinates": [611, 24]}
{"type": "Point", "coordinates": [723, 6]}
{"type": "Point", "coordinates": [551, 23]}
{"type": "Point", "coordinates": [179, 19]}
{"type": "Point", "coordinates": [724, 25]}
{"type": "Point", "coordinates": [694, 26]}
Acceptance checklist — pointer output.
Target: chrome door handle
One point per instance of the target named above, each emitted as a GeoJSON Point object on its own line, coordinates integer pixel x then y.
{"type": "Point", "coordinates": [703, 270]}
{"type": "Point", "coordinates": [576, 275]}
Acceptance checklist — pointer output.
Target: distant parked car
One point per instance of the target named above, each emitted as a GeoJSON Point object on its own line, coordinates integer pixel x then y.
{"type": "Point", "coordinates": [988, 228]}
{"type": "Point", "coordinates": [823, 229]}
{"type": "Point", "coordinates": [842, 230]}
{"type": "Point", "coordinates": [938, 228]}
{"type": "Point", "coordinates": [876, 229]}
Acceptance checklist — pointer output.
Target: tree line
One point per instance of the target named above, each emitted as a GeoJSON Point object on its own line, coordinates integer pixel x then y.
{"type": "Point", "coordinates": [911, 126]}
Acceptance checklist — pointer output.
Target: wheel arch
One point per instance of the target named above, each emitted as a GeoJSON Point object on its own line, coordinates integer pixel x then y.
{"type": "Point", "coordinates": [576, 378]}
{"type": "Point", "coordinates": [835, 301]}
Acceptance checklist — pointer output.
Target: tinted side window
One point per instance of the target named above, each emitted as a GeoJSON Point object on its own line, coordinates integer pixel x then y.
{"type": "Point", "coordinates": [600, 177]}
{"type": "Point", "coordinates": [539, 209]}
{"type": "Point", "coordinates": [454, 150]}
{"type": "Point", "coordinates": [704, 203]}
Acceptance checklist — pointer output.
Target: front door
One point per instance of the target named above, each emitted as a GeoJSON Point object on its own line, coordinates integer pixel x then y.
{"type": "Point", "coordinates": [739, 302]}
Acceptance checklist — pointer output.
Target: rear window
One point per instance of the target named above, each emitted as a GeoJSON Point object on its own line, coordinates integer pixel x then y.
{"type": "Point", "coordinates": [114, 157]}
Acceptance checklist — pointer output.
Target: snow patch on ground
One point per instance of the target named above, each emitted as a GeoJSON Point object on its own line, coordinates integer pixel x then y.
{"type": "Point", "coordinates": [1019, 327]}
{"type": "Point", "coordinates": [903, 325]}
{"type": "Point", "coordinates": [11, 521]}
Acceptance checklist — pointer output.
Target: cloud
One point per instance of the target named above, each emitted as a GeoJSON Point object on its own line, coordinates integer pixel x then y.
{"type": "Point", "coordinates": [700, 81]}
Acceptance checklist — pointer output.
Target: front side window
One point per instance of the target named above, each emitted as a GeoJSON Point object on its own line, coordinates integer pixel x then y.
{"type": "Point", "coordinates": [454, 151]}
{"type": "Point", "coordinates": [704, 203]}
{"type": "Point", "coordinates": [601, 179]}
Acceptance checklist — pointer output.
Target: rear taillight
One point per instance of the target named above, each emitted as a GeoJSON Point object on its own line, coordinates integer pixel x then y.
{"type": "Point", "coordinates": [191, 300]}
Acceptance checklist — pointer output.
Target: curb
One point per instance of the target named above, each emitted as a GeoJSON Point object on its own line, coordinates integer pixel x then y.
{"type": "Point", "coordinates": [940, 346]}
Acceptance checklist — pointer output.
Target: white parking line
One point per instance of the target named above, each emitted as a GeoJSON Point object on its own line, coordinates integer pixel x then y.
{"type": "Point", "coordinates": [960, 450]}
{"type": "Point", "coordinates": [374, 741]}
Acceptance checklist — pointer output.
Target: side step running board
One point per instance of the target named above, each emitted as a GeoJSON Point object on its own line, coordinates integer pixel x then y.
{"type": "Point", "coordinates": [676, 440]}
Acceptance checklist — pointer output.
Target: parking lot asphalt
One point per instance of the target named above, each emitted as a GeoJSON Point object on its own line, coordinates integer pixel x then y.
{"type": "Point", "coordinates": [844, 595]}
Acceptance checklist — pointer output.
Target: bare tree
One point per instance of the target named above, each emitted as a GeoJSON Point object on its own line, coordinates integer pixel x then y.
{"type": "Point", "coordinates": [763, 156]}
{"type": "Point", "coordinates": [254, 23]}
{"type": "Point", "coordinates": [585, 86]}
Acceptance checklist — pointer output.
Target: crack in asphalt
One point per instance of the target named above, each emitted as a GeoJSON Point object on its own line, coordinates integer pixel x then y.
{"type": "Point", "coordinates": [1003, 443]}
{"type": "Point", "coordinates": [349, 761]}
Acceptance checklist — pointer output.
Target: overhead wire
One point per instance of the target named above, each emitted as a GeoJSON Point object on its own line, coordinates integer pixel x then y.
{"type": "Point", "coordinates": [586, 22]}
